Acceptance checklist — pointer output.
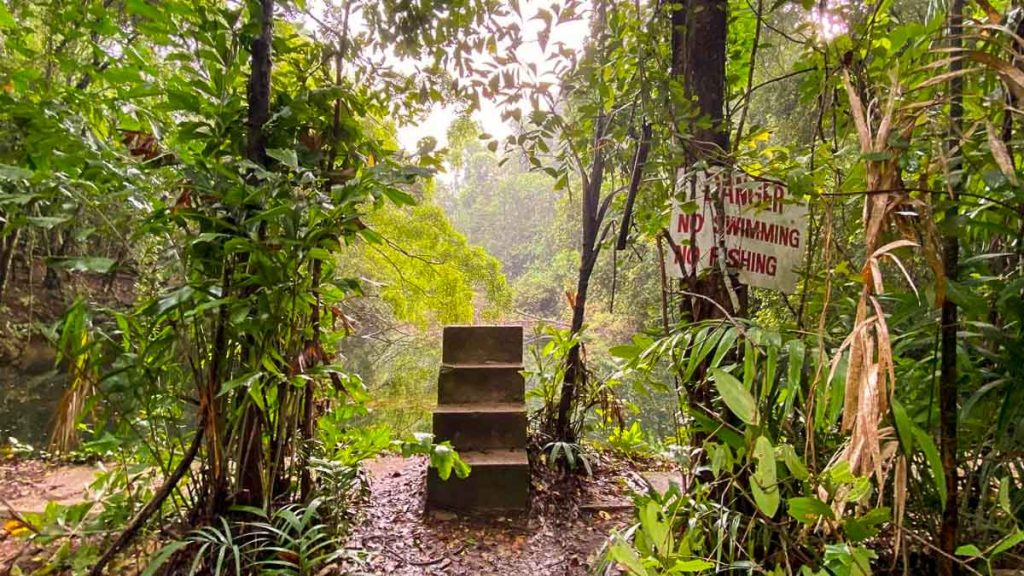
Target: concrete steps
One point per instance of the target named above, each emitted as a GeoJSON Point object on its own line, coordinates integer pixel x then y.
{"type": "Point", "coordinates": [460, 383]}
{"type": "Point", "coordinates": [481, 411]}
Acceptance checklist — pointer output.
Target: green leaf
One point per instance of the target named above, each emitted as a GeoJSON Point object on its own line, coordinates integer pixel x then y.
{"type": "Point", "coordinates": [11, 173]}
{"type": "Point", "coordinates": [1004, 494]}
{"type": "Point", "coordinates": [285, 156]}
{"type": "Point", "coordinates": [399, 197]}
{"type": "Point", "coordinates": [797, 352]}
{"type": "Point", "coordinates": [736, 397]}
{"type": "Point", "coordinates": [966, 298]}
{"type": "Point", "coordinates": [167, 551]}
{"type": "Point", "coordinates": [624, 554]}
{"type": "Point", "coordinates": [697, 565]}
{"type": "Point", "coordinates": [319, 254]}
{"type": "Point", "coordinates": [904, 427]}
{"type": "Point", "coordinates": [441, 457]}
{"type": "Point", "coordinates": [46, 222]}
{"type": "Point", "coordinates": [866, 526]}
{"type": "Point", "coordinates": [968, 550]}
{"type": "Point", "coordinates": [1010, 541]}
{"type": "Point", "coordinates": [97, 264]}
{"type": "Point", "coordinates": [764, 481]}
{"type": "Point", "coordinates": [924, 440]}
{"type": "Point", "coordinates": [460, 467]}
{"type": "Point", "coordinates": [624, 351]}
{"type": "Point", "coordinates": [656, 530]}
{"type": "Point", "coordinates": [143, 8]}
{"type": "Point", "coordinates": [808, 509]}
{"type": "Point", "coordinates": [793, 462]}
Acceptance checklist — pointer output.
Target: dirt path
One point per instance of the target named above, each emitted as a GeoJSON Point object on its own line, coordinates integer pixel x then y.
{"type": "Point", "coordinates": [557, 537]}
{"type": "Point", "coordinates": [29, 485]}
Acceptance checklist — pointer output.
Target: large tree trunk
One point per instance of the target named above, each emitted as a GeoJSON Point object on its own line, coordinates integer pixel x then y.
{"type": "Point", "coordinates": [699, 29]}
{"type": "Point", "coordinates": [699, 33]}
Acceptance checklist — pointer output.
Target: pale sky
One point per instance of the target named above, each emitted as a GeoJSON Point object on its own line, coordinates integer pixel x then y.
{"type": "Point", "coordinates": [573, 34]}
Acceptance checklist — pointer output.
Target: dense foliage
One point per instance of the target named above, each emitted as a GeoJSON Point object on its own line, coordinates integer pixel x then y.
{"type": "Point", "coordinates": [236, 165]}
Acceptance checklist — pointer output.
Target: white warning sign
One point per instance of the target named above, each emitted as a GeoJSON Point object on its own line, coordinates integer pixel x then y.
{"type": "Point", "coordinates": [762, 228]}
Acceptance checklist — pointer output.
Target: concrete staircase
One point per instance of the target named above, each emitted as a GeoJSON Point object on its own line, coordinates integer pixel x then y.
{"type": "Point", "coordinates": [481, 411]}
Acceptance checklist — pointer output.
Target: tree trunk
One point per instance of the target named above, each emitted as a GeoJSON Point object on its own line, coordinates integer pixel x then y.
{"type": "Point", "coordinates": [574, 369]}
{"type": "Point", "coordinates": [590, 211]}
{"type": "Point", "coordinates": [259, 85]}
{"type": "Point", "coordinates": [699, 32]}
{"type": "Point", "coordinates": [948, 386]}
{"type": "Point", "coordinates": [7, 250]}
{"type": "Point", "coordinates": [251, 462]}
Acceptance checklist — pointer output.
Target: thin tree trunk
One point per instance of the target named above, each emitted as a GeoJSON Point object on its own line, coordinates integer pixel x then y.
{"type": "Point", "coordinates": [9, 246]}
{"type": "Point", "coordinates": [251, 465]}
{"type": "Point", "coordinates": [259, 85]}
{"type": "Point", "coordinates": [153, 506]}
{"type": "Point", "coordinates": [948, 386]}
{"type": "Point", "coordinates": [574, 370]}
{"type": "Point", "coordinates": [309, 397]}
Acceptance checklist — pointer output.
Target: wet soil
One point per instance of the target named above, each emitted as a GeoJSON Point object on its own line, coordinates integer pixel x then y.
{"type": "Point", "coordinates": [562, 534]}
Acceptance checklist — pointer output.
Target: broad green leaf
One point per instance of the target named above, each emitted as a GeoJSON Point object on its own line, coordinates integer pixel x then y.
{"type": "Point", "coordinates": [966, 297]}
{"type": "Point", "coordinates": [624, 351]}
{"type": "Point", "coordinates": [1010, 541]}
{"type": "Point", "coordinates": [770, 366]}
{"type": "Point", "coordinates": [764, 481]}
{"type": "Point", "coordinates": [285, 156]}
{"type": "Point", "coordinates": [6, 19]}
{"type": "Point", "coordinates": [441, 457]}
{"type": "Point", "coordinates": [808, 509]}
{"type": "Point", "coordinates": [796, 352]}
{"type": "Point", "coordinates": [398, 196]}
{"type": "Point", "coordinates": [866, 526]}
{"type": "Point", "coordinates": [687, 566]}
{"type": "Point", "coordinates": [904, 427]}
{"type": "Point", "coordinates": [143, 8]}
{"type": "Point", "coordinates": [736, 397]}
{"type": "Point", "coordinates": [724, 346]}
{"type": "Point", "coordinates": [968, 550]}
{"type": "Point", "coordinates": [924, 440]}
{"type": "Point", "coordinates": [624, 554]}
{"type": "Point", "coordinates": [656, 530]}
{"type": "Point", "coordinates": [793, 462]}
{"type": "Point", "coordinates": [319, 254]}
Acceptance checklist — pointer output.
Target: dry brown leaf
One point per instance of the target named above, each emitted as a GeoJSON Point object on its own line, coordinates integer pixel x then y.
{"type": "Point", "coordinates": [1012, 76]}
{"type": "Point", "coordinates": [1001, 154]}
{"type": "Point", "coordinates": [942, 78]}
{"type": "Point", "coordinates": [858, 113]}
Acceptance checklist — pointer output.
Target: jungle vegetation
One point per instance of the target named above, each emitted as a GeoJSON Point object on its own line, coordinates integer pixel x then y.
{"type": "Point", "coordinates": [237, 165]}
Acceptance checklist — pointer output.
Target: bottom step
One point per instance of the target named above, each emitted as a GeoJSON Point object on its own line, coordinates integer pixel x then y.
{"type": "Point", "coordinates": [499, 480]}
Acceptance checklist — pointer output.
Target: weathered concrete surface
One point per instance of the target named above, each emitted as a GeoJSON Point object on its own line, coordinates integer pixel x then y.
{"type": "Point", "coordinates": [481, 411]}
{"type": "Point", "coordinates": [480, 383]}
{"type": "Point", "coordinates": [482, 345]}
{"type": "Point", "coordinates": [500, 480]}
{"type": "Point", "coordinates": [479, 426]}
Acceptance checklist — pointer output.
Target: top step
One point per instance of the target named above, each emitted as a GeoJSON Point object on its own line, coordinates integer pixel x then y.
{"type": "Point", "coordinates": [482, 345]}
